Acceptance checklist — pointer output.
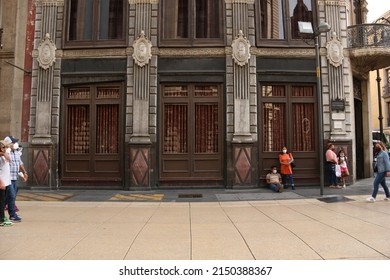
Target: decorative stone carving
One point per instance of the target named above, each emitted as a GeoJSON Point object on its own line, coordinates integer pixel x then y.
{"type": "Point", "coordinates": [241, 49]}
{"type": "Point", "coordinates": [143, 1]}
{"type": "Point", "coordinates": [46, 52]}
{"type": "Point", "coordinates": [49, 2]}
{"type": "Point", "coordinates": [142, 50]}
{"type": "Point", "coordinates": [334, 51]}
{"type": "Point", "coordinates": [239, 1]}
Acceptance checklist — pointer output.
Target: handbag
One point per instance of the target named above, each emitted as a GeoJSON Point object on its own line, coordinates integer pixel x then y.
{"type": "Point", "coordinates": [374, 166]}
{"type": "Point", "coordinates": [292, 164]}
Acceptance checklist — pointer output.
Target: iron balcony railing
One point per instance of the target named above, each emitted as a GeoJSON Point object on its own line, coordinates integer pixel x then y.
{"type": "Point", "coordinates": [369, 35]}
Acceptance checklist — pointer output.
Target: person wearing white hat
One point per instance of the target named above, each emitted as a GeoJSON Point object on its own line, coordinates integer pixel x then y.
{"type": "Point", "coordinates": [17, 169]}
{"type": "Point", "coordinates": [5, 180]}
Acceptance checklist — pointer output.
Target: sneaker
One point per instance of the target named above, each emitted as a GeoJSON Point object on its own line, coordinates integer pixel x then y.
{"type": "Point", "coordinates": [280, 189]}
{"type": "Point", "coordinates": [387, 198]}
{"type": "Point", "coordinates": [292, 187]}
{"type": "Point", "coordinates": [15, 219]}
{"type": "Point", "coordinates": [6, 222]}
{"type": "Point", "coordinates": [370, 199]}
{"type": "Point", "coordinates": [344, 186]}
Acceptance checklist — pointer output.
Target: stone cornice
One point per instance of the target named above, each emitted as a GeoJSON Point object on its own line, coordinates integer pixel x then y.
{"type": "Point", "coordinates": [49, 2]}
{"type": "Point", "coordinates": [332, 2]}
{"type": "Point", "coordinates": [283, 52]}
{"type": "Point", "coordinates": [183, 52]}
{"type": "Point", "coordinates": [90, 53]}
{"type": "Point", "coordinates": [144, 1]}
{"type": "Point", "coordinates": [6, 54]}
{"type": "Point", "coordinates": [239, 1]}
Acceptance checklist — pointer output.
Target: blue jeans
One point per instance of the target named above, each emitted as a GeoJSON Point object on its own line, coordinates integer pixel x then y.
{"type": "Point", "coordinates": [380, 178]}
{"type": "Point", "coordinates": [274, 187]}
{"type": "Point", "coordinates": [331, 168]}
{"type": "Point", "coordinates": [10, 197]}
{"type": "Point", "coordinates": [287, 178]}
{"type": "Point", "coordinates": [2, 205]}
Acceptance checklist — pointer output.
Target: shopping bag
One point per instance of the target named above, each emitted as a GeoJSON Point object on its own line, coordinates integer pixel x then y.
{"type": "Point", "coordinates": [338, 170]}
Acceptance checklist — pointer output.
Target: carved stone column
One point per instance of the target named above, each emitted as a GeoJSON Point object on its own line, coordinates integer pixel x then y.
{"type": "Point", "coordinates": [139, 74]}
{"type": "Point", "coordinates": [335, 70]}
{"type": "Point", "coordinates": [45, 92]}
{"type": "Point", "coordinates": [244, 87]}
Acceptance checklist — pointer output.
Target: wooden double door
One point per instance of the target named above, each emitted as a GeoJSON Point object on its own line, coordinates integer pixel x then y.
{"type": "Point", "coordinates": [92, 144]}
{"type": "Point", "coordinates": [191, 134]}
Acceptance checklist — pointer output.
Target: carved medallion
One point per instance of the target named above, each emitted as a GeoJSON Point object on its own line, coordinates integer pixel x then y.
{"type": "Point", "coordinates": [335, 51]}
{"type": "Point", "coordinates": [241, 49]}
{"type": "Point", "coordinates": [142, 50]}
{"type": "Point", "coordinates": [46, 52]}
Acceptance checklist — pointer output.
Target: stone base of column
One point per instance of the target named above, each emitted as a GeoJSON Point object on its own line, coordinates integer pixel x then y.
{"type": "Point", "coordinates": [243, 169]}
{"type": "Point", "coordinates": [41, 168]}
{"type": "Point", "coordinates": [139, 166]}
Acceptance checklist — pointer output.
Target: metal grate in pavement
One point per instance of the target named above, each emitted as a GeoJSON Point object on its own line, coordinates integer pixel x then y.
{"type": "Point", "coordinates": [335, 198]}
{"type": "Point", "coordinates": [190, 195]}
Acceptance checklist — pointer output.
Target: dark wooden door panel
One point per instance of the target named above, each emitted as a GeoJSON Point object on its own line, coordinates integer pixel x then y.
{"type": "Point", "coordinates": [192, 142]}
{"type": "Point", "coordinates": [289, 118]}
{"type": "Point", "coordinates": [92, 146]}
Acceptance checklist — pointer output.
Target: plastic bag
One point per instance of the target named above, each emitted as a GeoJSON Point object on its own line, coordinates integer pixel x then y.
{"type": "Point", "coordinates": [338, 170]}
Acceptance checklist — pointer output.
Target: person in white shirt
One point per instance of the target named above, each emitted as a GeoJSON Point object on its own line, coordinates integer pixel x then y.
{"type": "Point", "coordinates": [5, 179]}
{"type": "Point", "coordinates": [274, 180]}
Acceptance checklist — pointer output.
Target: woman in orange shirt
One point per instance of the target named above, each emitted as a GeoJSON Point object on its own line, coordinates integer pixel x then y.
{"type": "Point", "coordinates": [286, 171]}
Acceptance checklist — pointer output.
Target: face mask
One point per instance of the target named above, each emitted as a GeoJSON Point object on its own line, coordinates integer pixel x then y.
{"type": "Point", "coordinates": [284, 151]}
{"type": "Point", "coordinates": [16, 146]}
{"type": "Point", "coordinates": [274, 171]}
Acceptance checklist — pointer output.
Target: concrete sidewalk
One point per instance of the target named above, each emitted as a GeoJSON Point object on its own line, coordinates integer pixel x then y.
{"type": "Point", "coordinates": [303, 228]}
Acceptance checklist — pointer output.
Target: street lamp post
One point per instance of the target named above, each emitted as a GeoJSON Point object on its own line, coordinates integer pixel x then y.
{"type": "Point", "coordinates": [378, 80]}
{"type": "Point", "coordinates": [306, 27]}
{"type": "Point", "coordinates": [380, 117]}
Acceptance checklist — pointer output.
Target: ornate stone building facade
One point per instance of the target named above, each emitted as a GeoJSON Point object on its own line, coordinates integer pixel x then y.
{"type": "Point", "coordinates": [140, 94]}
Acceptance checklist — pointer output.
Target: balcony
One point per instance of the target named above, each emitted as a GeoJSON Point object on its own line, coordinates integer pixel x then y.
{"type": "Point", "coordinates": [369, 46]}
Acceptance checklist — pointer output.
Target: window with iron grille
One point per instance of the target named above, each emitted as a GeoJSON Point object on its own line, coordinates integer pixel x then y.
{"type": "Point", "coordinates": [288, 117]}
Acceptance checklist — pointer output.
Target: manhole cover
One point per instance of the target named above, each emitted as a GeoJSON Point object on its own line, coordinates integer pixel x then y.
{"type": "Point", "coordinates": [331, 199]}
{"type": "Point", "coordinates": [190, 195]}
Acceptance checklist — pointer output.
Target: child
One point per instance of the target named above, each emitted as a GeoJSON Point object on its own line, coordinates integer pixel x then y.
{"type": "Point", "coordinates": [342, 159]}
{"type": "Point", "coordinates": [5, 180]}
{"type": "Point", "coordinates": [274, 180]}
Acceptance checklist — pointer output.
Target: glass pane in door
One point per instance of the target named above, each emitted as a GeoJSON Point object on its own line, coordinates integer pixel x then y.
{"type": "Point", "coordinates": [107, 118]}
{"type": "Point", "coordinates": [78, 129]}
{"type": "Point", "coordinates": [274, 126]}
{"type": "Point", "coordinates": [206, 128]}
{"type": "Point", "coordinates": [175, 128]}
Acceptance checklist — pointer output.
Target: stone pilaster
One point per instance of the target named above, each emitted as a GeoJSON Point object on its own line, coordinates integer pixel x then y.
{"type": "Point", "coordinates": [337, 92]}
{"type": "Point", "coordinates": [141, 90]}
{"type": "Point", "coordinates": [46, 84]}
{"type": "Point", "coordinates": [241, 92]}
